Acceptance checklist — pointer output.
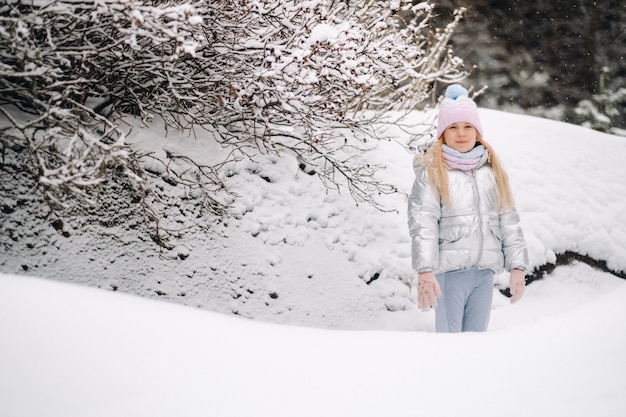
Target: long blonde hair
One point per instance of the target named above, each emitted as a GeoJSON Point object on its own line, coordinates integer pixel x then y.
{"type": "Point", "coordinates": [438, 175]}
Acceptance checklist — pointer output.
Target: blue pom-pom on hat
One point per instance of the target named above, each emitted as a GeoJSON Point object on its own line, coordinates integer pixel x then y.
{"type": "Point", "coordinates": [455, 91]}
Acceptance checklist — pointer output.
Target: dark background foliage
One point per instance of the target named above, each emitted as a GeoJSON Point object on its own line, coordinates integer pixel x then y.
{"type": "Point", "coordinates": [545, 56]}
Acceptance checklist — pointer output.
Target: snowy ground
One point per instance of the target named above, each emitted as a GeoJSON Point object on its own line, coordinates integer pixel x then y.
{"type": "Point", "coordinates": [75, 351]}
{"type": "Point", "coordinates": [297, 256]}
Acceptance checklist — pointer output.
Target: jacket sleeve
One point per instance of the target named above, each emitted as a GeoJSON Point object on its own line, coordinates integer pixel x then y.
{"type": "Point", "coordinates": [424, 212]}
{"type": "Point", "coordinates": [513, 242]}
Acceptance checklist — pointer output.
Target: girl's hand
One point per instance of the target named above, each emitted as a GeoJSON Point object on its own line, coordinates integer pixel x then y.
{"type": "Point", "coordinates": [517, 282]}
{"type": "Point", "coordinates": [427, 291]}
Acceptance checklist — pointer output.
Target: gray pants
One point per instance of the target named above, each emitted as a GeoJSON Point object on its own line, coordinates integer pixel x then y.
{"type": "Point", "coordinates": [465, 302]}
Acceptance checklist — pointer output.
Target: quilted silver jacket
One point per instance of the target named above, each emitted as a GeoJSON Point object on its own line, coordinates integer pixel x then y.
{"type": "Point", "coordinates": [472, 232]}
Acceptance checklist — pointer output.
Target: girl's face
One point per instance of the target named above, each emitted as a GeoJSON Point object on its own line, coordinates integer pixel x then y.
{"type": "Point", "coordinates": [460, 136]}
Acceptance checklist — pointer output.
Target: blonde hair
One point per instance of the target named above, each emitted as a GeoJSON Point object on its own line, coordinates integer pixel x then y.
{"type": "Point", "coordinates": [438, 175]}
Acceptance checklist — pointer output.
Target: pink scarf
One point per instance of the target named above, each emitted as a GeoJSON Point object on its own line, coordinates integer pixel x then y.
{"type": "Point", "coordinates": [463, 161]}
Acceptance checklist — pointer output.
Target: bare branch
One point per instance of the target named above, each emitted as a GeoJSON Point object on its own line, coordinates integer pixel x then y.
{"type": "Point", "coordinates": [315, 79]}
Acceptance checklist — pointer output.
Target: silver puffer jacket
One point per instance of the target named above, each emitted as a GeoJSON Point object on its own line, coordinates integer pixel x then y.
{"type": "Point", "coordinates": [473, 231]}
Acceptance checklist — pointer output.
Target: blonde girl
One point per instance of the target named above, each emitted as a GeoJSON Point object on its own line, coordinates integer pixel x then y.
{"type": "Point", "coordinates": [462, 221]}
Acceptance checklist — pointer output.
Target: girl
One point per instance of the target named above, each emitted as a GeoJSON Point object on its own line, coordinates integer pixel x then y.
{"type": "Point", "coordinates": [462, 221]}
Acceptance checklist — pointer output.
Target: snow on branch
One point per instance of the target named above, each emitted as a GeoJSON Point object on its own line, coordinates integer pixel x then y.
{"type": "Point", "coordinates": [312, 78]}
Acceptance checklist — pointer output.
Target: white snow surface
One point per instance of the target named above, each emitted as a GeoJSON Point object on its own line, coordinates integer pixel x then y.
{"type": "Point", "coordinates": [70, 350]}
{"type": "Point", "coordinates": [301, 258]}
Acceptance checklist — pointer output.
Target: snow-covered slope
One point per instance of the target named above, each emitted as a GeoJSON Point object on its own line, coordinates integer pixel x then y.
{"type": "Point", "coordinates": [296, 253]}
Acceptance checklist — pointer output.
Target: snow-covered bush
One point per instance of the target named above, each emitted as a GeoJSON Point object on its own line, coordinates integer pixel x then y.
{"type": "Point", "coordinates": [600, 111]}
{"type": "Point", "coordinates": [260, 76]}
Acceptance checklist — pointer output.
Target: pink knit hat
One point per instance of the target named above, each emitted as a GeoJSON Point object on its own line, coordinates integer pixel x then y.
{"type": "Point", "coordinates": [457, 107]}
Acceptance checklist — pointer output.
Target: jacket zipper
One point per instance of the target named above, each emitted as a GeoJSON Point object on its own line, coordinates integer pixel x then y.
{"type": "Point", "coordinates": [480, 220]}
